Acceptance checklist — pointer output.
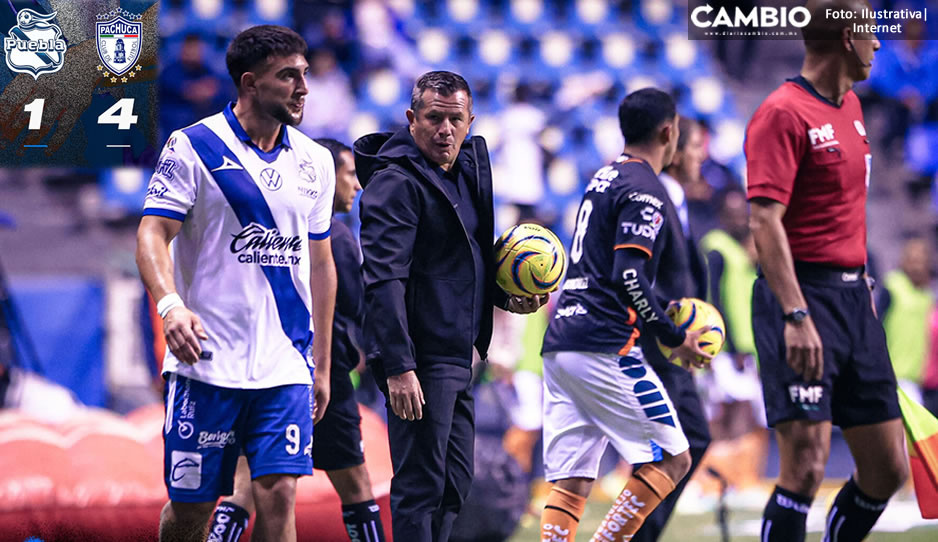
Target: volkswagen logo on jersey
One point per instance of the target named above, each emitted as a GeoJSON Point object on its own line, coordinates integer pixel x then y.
{"type": "Point", "coordinates": [271, 179]}
{"type": "Point", "coordinates": [35, 44]}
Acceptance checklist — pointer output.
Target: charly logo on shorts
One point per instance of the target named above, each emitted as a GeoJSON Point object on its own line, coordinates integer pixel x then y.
{"type": "Point", "coordinates": [186, 472]}
{"type": "Point", "coordinates": [35, 44]}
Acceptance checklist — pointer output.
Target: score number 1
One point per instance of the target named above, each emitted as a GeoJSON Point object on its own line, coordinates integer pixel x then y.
{"type": "Point", "coordinates": [121, 114]}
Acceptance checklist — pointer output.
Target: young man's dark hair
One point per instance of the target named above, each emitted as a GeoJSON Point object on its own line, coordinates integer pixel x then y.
{"type": "Point", "coordinates": [446, 83]}
{"type": "Point", "coordinates": [642, 112]}
{"type": "Point", "coordinates": [335, 147]}
{"type": "Point", "coordinates": [253, 46]}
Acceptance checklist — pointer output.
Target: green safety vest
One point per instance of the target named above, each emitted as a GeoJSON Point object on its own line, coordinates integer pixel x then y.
{"type": "Point", "coordinates": [739, 274]}
{"type": "Point", "coordinates": [906, 324]}
{"type": "Point", "coordinates": [532, 338]}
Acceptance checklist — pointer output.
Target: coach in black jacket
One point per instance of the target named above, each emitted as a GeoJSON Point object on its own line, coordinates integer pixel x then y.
{"type": "Point", "coordinates": [427, 231]}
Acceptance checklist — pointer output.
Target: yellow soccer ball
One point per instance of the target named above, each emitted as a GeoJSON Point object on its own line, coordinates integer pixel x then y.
{"type": "Point", "coordinates": [691, 314]}
{"type": "Point", "coordinates": [529, 260]}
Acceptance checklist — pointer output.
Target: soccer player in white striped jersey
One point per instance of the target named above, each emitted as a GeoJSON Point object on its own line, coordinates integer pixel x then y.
{"type": "Point", "coordinates": [246, 200]}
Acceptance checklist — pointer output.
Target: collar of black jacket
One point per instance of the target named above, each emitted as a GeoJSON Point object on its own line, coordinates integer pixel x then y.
{"type": "Point", "coordinates": [374, 151]}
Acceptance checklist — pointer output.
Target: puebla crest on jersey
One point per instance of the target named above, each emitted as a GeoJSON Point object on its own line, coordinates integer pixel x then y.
{"type": "Point", "coordinates": [311, 185]}
{"type": "Point", "coordinates": [118, 35]}
{"type": "Point", "coordinates": [35, 44]}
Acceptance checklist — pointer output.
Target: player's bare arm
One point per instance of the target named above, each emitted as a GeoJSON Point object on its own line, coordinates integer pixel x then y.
{"type": "Point", "coordinates": [322, 275]}
{"type": "Point", "coordinates": [803, 343]}
{"type": "Point", "coordinates": [181, 327]}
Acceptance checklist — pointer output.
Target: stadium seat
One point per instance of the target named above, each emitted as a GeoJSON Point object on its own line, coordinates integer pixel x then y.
{"type": "Point", "coordinates": [271, 11]}
{"type": "Point", "coordinates": [618, 50]}
{"type": "Point", "coordinates": [920, 148]}
{"type": "Point", "coordinates": [527, 14]}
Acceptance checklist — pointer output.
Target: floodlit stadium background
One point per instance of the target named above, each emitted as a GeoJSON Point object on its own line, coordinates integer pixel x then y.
{"type": "Point", "coordinates": [546, 77]}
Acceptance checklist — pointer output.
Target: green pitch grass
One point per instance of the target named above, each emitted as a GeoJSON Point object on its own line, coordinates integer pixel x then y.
{"type": "Point", "coordinates": [901, 517]}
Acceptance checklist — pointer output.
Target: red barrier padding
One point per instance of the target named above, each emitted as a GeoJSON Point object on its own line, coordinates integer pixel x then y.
{"type": "Point", "coordinates": [100, 477]}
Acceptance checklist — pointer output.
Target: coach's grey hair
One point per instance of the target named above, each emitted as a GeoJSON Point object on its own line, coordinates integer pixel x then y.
{"type": "Point", "coordinates": [446, 83]}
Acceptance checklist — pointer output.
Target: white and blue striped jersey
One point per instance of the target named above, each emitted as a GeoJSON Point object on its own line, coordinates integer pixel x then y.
{"type": "Point", "coordinates": [241, 259]}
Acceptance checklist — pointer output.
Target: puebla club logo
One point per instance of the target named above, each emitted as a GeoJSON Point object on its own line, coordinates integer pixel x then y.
{"type": "Point", "coordinates": [35, 44]}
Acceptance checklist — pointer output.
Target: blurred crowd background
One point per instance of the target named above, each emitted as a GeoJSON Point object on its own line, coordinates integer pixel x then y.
{"type": "Point", "coordinates": [546, 76]}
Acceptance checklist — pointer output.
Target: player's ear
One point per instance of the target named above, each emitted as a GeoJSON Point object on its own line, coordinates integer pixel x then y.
{"type": "Point", "coordinates": [248, 82]}
{"type": "Point", "coordinates": [666, 134]}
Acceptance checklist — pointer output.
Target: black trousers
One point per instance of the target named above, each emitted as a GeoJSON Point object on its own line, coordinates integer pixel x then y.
{"type": "Point", "coordinates": [679, 384]}
{"type": "Point", "coordinates": [432, 457]}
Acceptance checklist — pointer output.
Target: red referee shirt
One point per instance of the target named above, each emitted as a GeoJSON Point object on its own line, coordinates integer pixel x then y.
{"type": "Point", "coordinates": [814, 157]}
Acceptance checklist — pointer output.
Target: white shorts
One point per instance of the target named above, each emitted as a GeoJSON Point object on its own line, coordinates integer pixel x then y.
{"type": "Point", "coordinates": [592, 399]}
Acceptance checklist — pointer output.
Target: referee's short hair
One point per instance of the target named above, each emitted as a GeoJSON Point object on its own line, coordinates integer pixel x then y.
{"type": "Point", "coordinates": [335, 147]}
{"type": "Point", "coordinates": [824, 33]}
{"type": "Point", "coordinates": [642, 112]}
{"type": "Point", "coordinates": [253, 46]}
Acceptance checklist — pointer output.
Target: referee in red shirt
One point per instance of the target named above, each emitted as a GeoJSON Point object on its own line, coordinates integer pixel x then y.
{"type": "Point", "coordinates": [822, 351]}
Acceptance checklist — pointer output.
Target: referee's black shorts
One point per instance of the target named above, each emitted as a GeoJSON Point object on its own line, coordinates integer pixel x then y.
{"type": "Point", "coordinates": [858, 386]}
{"type": "Point", "coordinates": [337, 438]}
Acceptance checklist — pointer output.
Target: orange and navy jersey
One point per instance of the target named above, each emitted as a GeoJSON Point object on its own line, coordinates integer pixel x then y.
{"type": "Point", "coordinates": [624, 207]}
{"type": "Point", "coordinates": [813, 156]}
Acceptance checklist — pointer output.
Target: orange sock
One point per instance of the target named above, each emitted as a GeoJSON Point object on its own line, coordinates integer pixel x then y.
{"type": "Point", "coordinates": [644, 491]}
{"type": "Point", "coordinates": [561, 515]}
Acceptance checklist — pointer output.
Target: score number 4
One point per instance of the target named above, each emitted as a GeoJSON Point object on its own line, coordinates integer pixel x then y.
{"type": "Point", "coordinates": [121, 114]}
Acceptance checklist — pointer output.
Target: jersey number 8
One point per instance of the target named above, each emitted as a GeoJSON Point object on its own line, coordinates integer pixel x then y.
{"type": "Point", "coordinates": [582, 222]}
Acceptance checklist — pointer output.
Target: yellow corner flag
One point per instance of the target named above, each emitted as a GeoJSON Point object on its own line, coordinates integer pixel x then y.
{"type": "Point", "coordinates": [921, 429]}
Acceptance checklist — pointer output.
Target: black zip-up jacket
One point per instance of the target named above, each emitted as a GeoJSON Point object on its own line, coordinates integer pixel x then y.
{"type": "Point", "coordinates": [682, 274]}
{"type": "Point", "coordinates": [349, 298]}
{"type": "Point", "coordinates": [418, 271]}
